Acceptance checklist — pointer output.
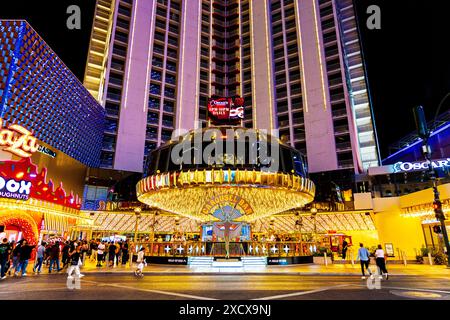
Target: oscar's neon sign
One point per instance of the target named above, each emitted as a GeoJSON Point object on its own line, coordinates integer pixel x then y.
{"type": "Point", "coordinates": [17, 140]}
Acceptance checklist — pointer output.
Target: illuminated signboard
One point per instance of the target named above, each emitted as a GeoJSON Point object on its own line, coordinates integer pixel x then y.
{"type": "Point", "coordinates": [17, 140]}
{"type": "Point", "coordinates": [47, 151]}
{"type": "Point", "coordinates": [416, 166]}
{"type": "Point", "coordinates": [21, 180]}
{"type": "Point", "coordinates": [226, 110]}
{"type": "Point", "coordinates": [14, 189]}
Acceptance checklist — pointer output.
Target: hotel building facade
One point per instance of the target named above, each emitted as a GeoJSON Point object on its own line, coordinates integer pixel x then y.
{"type": "Point", "coordinates": [153, 64]}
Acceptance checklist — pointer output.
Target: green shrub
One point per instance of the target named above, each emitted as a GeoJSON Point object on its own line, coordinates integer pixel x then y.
{"type": "Point", "coordinates": [419, 258]}
{"type": "Point", "coordinates": [439, 256]}
{"type": "Point", "coordinates": [321, 250]}
{"type": "Point", "coordinates": [424, 251]}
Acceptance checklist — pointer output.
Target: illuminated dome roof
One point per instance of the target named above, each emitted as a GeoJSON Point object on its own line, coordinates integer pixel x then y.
{"type": "Point", "coordinates": [207, 172]}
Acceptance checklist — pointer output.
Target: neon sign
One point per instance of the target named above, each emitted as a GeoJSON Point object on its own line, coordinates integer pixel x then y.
{"type": "Point", "coordinates": [14, 189]}
{"type": "Point", "coordinates": [22, 180]}
{"type": "Point", "coordinates": [17, 140]}
{"type": "Point", "coordinates": [415, 166]}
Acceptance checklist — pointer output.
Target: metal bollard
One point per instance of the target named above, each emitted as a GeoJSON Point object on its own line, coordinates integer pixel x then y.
{"type": "Point", "coordinates": [353, 260]}
{"type": "Point", "coordinates": [404, 258]}
{"type": "Point", "coordinates": [430, 258]}
{"type": "Point", "coordinates": [325, 257]}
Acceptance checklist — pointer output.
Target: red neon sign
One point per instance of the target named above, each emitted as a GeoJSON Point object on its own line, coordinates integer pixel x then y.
{"type": "Point", "coordinates": [24, 171]}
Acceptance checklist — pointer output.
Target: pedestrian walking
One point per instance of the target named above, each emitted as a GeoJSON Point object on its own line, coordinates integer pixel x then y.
{"type": "Point", "coordinates": [54, 257]}
{"type": "Point", "coordinates": [364, 258]}
{"type": "Point", "coordinates": [5, 252]}
{"type": "Point", "coordinates": [75, 262]}
{"type": "Point", "coordinates": [93, 247]}
{"type": "Point", "coordinates": [39, 258]}
{"type": "Point", "coordinates": [344, 249]}
{"type": "Point", "coordinates": [141, 263]}
{"type": "Point", "coordinates": [24, 255]}
{"type": "Point", "coordinates": [65, 254]}
{"type": "Point", "coordinates": [125, 253]}
{"type": "Point", "coordinates": [100, 252]}
{"type": "Point", "coordinates": [381, 262]}
{"type": "Point", "coordinates": [15, 256]}
{"type": "Point", "coordinates": [112, 253]}
{"type": "Point", "coordinates": [84, 251]}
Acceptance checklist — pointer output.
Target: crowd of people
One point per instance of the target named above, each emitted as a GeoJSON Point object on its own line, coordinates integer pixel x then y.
{"type": "Point", "coordinates": [59, 255]}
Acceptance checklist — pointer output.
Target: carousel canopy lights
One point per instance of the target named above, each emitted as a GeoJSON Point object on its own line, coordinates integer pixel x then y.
{"type": "Point", "coordinates": [238, 169]}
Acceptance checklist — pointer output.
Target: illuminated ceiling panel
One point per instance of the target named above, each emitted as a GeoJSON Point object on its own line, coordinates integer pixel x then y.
{"type": "Point", "coordinates": [342, 221]}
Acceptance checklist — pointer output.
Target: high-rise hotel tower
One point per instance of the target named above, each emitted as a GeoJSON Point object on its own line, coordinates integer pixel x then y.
{"type": "Point", "coordinates": [153, 64]}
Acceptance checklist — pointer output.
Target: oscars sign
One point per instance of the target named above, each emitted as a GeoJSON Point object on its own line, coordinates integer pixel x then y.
{"type": "Point", "coordinates": [17, 140]}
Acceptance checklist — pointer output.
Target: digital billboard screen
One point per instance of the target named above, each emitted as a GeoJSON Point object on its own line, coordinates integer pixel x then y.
{"type": "Point", "coordinates": [226, 111]}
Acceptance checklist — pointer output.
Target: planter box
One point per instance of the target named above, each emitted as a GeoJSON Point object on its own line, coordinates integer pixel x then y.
{"type": "Point", "coordinates": [321, 260]}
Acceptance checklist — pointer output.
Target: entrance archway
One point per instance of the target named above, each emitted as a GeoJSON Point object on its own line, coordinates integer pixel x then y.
{"type": "Point", "coordinates": [20, 224]}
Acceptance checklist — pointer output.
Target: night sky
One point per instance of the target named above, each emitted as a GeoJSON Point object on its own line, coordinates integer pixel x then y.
{"type": "Point", "coordinates": [407, 61]}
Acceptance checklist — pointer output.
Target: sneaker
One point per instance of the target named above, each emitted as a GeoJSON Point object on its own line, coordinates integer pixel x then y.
{"type": "Point", "coordinates": [3, 278]}
{"type": "Point", "coordinates": [363, 277]}
{"type": "Point", "coordinates": [371, 276]}
{"type": "Point", "coordinates": [387, 276]}
{"type": "Point", "coordinates": [81, 275]}
{"type": "Point", "coordinates": [380, 277]}
{"type": "Point", "coordinates": [24, 275]}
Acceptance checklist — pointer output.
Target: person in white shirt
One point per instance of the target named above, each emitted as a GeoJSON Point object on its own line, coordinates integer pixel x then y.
{"type": "Point", "coordinates": [141, 262]}
{"type": "Point", "coordinates": [381, 262]}
{"type": "Point", "coordinates": [100, 250]}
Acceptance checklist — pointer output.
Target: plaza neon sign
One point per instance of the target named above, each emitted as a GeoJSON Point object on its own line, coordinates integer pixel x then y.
{"type": "Point", "coordinates": [416, 166]}
{"type": "Point", "coordinates": [17, 140]}
{"type": "Point", "coordinates": [13, 189]}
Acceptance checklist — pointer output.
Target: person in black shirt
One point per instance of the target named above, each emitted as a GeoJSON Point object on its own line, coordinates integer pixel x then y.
{"type": "Point", "coordinates": [5, 251]}
{"type": "Point", "coordinates": [75, 255]}
{"type": "Point", "coordinates": [125, 253]}
{"type": "Point", "coordinates": [344, 249]}
{"type": "Point", "coordinates": [24, 256]}
{"type": "Point", "coordinates": [65, 254]}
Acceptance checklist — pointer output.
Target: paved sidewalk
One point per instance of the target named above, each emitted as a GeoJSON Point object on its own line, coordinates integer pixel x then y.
{"type": "Point", "coordinates": [309, 269]}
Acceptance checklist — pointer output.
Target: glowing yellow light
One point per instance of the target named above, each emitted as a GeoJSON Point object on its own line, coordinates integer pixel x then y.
{"type": "Point", "coordinates": [17, 140]}
{"type": "Point", "coordinates": [188, 193]}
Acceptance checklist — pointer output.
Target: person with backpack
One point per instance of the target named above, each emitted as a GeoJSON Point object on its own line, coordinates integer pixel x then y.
{"type": "Point", "coordinates": [364, 258]}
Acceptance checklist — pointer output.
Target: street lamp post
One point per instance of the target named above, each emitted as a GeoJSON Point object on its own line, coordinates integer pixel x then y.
{"type": "Point", "coordinates": [424, 133]}
{"type": "Point", "coordinates": [137, 212]}
{"type": "Point", "coordinates": [313, 215]}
